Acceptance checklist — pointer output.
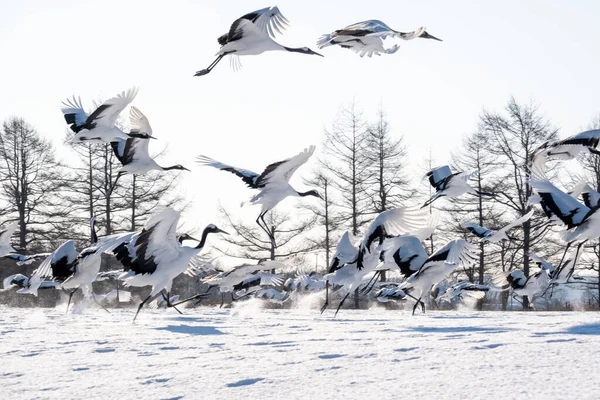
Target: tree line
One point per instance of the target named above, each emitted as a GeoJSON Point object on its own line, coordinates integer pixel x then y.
{"type": "Point", "coordinates": [53, 200]}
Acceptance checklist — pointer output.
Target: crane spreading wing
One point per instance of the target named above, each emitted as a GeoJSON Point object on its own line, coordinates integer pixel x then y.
{"type": "Point", "coordinates": [249, 177]}
{"type": "Point", "coordinates": [280, 172]}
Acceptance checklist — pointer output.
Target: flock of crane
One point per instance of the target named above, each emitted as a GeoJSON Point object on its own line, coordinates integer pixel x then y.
{"type": "Point", "coordinates": [394, 240]}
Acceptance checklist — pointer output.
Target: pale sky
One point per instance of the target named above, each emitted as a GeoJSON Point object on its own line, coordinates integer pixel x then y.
{"type": "Point", "coordinates": [279, 103]}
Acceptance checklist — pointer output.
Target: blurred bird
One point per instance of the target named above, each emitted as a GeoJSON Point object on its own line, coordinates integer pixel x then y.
{"type": "Point", "coordinates": [489, 235]}
{"type": "Point", "coordinates": [366, 38]}
{"type": "Point", "coordinates": [448, 184]}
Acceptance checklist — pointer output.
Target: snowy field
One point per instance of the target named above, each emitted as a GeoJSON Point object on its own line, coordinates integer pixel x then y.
{"type": "Point", "coordinates": [247, 352]}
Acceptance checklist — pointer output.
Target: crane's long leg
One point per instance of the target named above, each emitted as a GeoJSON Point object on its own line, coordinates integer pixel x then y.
{"type": "Point", "coordinates": [70, 297]}
{"type": "Point", "coordinates": [341, 302]}
{"type": "Point", "coordinates": [222, 299]}
{"type": "Point", "coordinates": [269, 232]}
{"type": "Point", "coordinates": [326, 297]}
{"type": "Point", "coordinates": [142, 305]}
{"type": "Point", "coordinates": [169, 304]}
{"type": "Point", "coordinates": [97, 302]}
{"type": "Point", "coordinates": [564, 254]}
{"type": "Point", "coordinates": [417, 302]}
{"type": "Point", "coordinates": [366, 289]}
{"type": "Point", "coordinates": [211, 66]}
{"type": "Point", "coordinates": [263, 227]}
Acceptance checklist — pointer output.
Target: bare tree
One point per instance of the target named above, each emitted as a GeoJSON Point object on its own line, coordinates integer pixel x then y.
{"type": "Point", "coordinates": [387, 156]}
{"type": "Point", "coordinates": [346, 144]}
{"type": "Point", "coordinates": [31, 179]}
{"type": "Point", "coordinates": [481, 209]}
{"type": "Point", "coordinates": [323, 211]}
{"type": "Point", "coordinates": [513, 137]}
{"type": "Point", "coordinates": [248, 241]}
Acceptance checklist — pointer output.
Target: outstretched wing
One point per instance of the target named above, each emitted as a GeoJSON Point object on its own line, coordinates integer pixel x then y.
{"type": "Point", "coordinates": [6, 233]}
{"type": "Point", "coordinates": [371, 27]}
{"type": "Point", "coordinates": [249, 177]}
{"type": "Point", "coordinates": [157, 244]}
{"type": "Point", "coordinates": [267, 21]}
{"type": "Point", "coordinates": [438, 175]}
{"type": "Point", "coordinates": [569, 210]}
{"type": "Point", "coordinates": [74, 114]}
{"type": "Point", "coordinates": [279, 173]}
{"type": "Point", "coordinates": [106, 115]}
{"type": "Point", "coordinates": [139, 124]}
{"type": "Point", "coordinates": [477, 230]}
{"type": "Point", "coordinates": [519, 221]}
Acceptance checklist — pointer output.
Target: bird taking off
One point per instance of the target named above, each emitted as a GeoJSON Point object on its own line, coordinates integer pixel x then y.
{"type": "Point", "coordinates": [448, 184]}
{"type": "Point", "coordinates": [489, 235]}
{"type": "Point", "coordinates": [253, 34]}
{"type": "Point", "coordinates": [99, 126]}
{"type": "Point", "coordinates": [273, 182]}
{"type": "Point", "coordinates": [366, 38]}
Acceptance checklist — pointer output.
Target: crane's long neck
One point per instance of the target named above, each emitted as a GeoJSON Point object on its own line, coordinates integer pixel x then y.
{"type": "Point", "coordinates": [169, 168]}
{"type": "Point", "coordinates": [94, 235]}
{"type": "Point", "coordinates": [307, 193]}
{"type": "Point", "coordinates": [203, 238]}
{"type": "Point", "coordinates": [294, 49]}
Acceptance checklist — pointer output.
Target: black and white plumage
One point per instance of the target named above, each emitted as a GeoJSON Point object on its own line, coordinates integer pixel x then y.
{"type": "Point", "coordinates": [21, 281]}
{"type": "Point", "coordinates": [437, 267]}
{"type": "Point", "coordinates": [253, 34]}
{"type": "Point", "coordinates": [394, 222]}
{"type": "Point", "coordinates": [99, 126]}
{"type": "Point", "coordinates": [157, 256]}
{"type": "Point", "coordinates": [304, 282]}
{"type": "Point", "coordinates": [496, 236]}
{"type": "Point", "coordinates": [449, 184]}
{"type": "Point", "coordinates": [565, 149]}
{"type": "Point", "coordinates": [23, 259]}
{"type": "Point", "coordinates": [89, 260]}
{"type": "Point", "coordinates": [5, 235]}
{"type": "Point", "coordinates": [465, 289]}
{"type": "Point", "coordinates": [397, 221]}
{"type": "Point", "coordinates": [582, 223]}
{"type": "Point", "coordinates": [366, 38]}
{"type": "Point", "coordinates": [345, 253]}
{"type": "Point", "coordinates": [390, 293]}
{"type": "Point", "coordinates": [405, 253]}
{"type": "Point", "coordinates": [521, 284]}
{"type": "Point", "coordinates": [239, 276]}
{"type": "Point", "coordinates": [541, 263]}
{"type": "Point", "coordinates": [133, 152]}
{"type": "Point", "coordinates": [272, 295]}
{"type": "Point", "coordinates": [57, 267]}
{"type": "Point", "coordinates": [590, 197]}
{"type": "Point", "coordinates": [273, 182]}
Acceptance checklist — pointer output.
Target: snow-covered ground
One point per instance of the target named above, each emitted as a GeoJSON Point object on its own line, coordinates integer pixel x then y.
{"type": "Point", "coordinates": [247, 352]}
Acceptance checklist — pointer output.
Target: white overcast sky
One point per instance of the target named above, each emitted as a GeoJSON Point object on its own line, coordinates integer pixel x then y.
{"type": "Point", "coordinates": [279, 103]}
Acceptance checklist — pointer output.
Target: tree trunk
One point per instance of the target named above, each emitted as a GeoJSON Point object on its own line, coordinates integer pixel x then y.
{"type": "Point", "coordinates": [356, 298]}
{"type": "Point", "coordinates": [526, 233]}
{"type": "Point", "coordinates": [133, 203]}
{"type": "Point", "coordinates": [327, 227]}
{"type": "Point", "coordinates": [272, 244]}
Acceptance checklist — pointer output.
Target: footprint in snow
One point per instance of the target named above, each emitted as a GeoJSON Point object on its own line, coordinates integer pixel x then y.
{"type": "Point", "coordinates": [105, 350]}
{"type": "Point", "coordinates": [245, 382]}
{"type": "Point", "coordinates": [330, 356]}
{"type": "Point", "coordinates": [489, 346]}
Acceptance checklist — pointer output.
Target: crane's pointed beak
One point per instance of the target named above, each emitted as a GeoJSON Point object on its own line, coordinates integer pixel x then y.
{"type": "Point", "coordinates": [426, 35]}
{"type": "Point", "coordinates": [222, 231]}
